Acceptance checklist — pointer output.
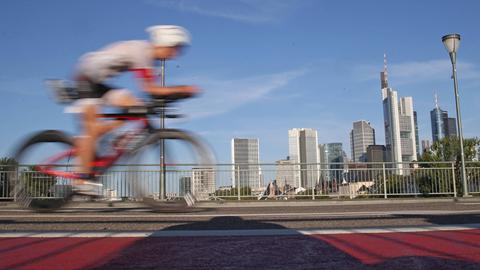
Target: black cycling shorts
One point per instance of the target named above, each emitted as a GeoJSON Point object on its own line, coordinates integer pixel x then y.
{"type": "Point", "coordinates": [89, 89]}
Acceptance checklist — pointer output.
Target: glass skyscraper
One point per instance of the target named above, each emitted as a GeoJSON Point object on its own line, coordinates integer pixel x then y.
{"type": "Point", "coordinates": [336, 158]}
{"type": "Point", "coordinates": [442, 125]}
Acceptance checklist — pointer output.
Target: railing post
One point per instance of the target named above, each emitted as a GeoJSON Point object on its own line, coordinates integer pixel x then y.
{"type": "Point", "coordinates": [15, 183]}
{"type": "Point", "coordinates": [313, 186]}
{"type": "Point", "coordinates": [238, 183]}
{"type": "Point", "coordinates": [384, 181]}
{"type": "Point", "coordinates": [454, 183]}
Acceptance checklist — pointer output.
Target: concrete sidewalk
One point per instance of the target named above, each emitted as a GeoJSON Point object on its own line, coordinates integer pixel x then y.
{"type": "Point", "coordinates": [243, 204]}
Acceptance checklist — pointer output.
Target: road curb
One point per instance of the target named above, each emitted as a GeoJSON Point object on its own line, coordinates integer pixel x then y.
{"type": "Point", "coordinates": [234, 204]}
{"type": "Point", "coordinates": [328, 202]}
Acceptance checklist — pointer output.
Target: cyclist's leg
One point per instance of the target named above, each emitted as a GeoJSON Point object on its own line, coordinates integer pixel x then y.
{"type": "Point", "coordinates": [121, 98]}
{"type": "Point", "coordinates": [93, 128]}
{"type": "Point", "coordinates": [85, 143]}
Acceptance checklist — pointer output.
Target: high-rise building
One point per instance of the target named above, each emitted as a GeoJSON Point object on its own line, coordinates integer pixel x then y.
{"type": "Point", "coordinates": [391, 122]}
{"type": "Point", "coordinates": [400, 137]}
{"type": "Point", "coordinates": [442, 125]}
{"type": "Point", "coordinates": [185, 185]}
{"type": "Point", "coordinates": [376, 153]}
{"type": "Point", "coordinates": [245, 160]}
{"type": "Point", "coordinates": [376, 159]}
{"type": "Point", "coordinates": [439, 121]}
{"type": "Point", "coordinates": [303, 151]}
{"type": "Point", "coordinates": [417, 141]}
{"type": "Point", "coordinates": [203, 182]}
{"type": "Point", "coordinates": [322, 157]}
{"type": "Point", "coordinates": [452, 126]}
{"type": "Point", "coordinates": [285, 174]}
{"type": "Point", "coordinates": [361, 136]}
{"type": "Point", "coordinates": [335, 157]}
{"type": "Point", "coordinates": [407, 130]}
{"type": "Point", "coordinates": [335, 153]}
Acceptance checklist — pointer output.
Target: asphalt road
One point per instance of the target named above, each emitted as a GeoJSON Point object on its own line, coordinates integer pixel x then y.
{"type": "Point", "coordinates": [126, 217]}
{"type": "Point", "coordinates": [315, 235]}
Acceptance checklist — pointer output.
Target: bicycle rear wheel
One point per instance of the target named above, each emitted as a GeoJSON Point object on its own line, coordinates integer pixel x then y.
{"type": "Point", "coordinates": [173, 185]}
{"type": "Point", "coordinates": [45, 160]}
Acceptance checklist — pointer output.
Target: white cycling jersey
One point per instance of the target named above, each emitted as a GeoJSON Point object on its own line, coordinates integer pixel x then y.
{"type": "Point", "coordinates": [132, 55]}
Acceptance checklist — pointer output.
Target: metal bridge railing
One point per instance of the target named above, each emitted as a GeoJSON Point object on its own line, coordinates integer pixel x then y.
{"type": "Point", "coordinates": [260, 181]}
{"type": "Point", "coordinates": [472, 170]}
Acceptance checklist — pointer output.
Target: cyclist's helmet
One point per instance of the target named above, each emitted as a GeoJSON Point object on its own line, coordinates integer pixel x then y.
{"type": "Point", "coordinates": [169, 35]}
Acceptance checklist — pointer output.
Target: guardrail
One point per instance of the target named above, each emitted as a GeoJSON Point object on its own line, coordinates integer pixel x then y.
{"type": "Point", "coordinates": [472, 170]}
{"type": "Point", "coordinates": [262, 181]}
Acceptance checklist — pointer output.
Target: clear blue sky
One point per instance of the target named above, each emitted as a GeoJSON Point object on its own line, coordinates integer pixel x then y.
{"type": "Point", "coordinates": [264, 66]}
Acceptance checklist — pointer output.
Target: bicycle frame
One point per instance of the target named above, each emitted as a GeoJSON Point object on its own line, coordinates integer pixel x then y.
{"type": "Point", "coordinates": [99, 164]}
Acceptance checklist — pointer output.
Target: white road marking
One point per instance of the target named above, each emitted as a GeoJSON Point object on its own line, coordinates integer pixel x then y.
{"type": "Point", "coordinates": [257, 232]}
{"type": "Point", "coordinates": [303, 214]}
{"type": "Point", "coordinates": [470, 203]}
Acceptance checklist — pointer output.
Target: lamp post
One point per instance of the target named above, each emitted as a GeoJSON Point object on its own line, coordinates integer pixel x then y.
{"type": "Point", "coordinates": [452, 42]}
{"type": "Point", "coordinates": [162, 187]}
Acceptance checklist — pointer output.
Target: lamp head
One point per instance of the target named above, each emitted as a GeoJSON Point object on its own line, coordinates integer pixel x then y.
{"type": "Point", "coordinates": [451, 42]}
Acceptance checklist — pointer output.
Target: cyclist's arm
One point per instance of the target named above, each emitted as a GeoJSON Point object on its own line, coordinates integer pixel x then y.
{"type": "Point", "coordinates": [147, 82]}
{"type": "Point", "coordinates": [153, 89]}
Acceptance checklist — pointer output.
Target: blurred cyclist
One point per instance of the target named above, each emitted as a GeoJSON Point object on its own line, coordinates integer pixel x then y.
{"type": "Point", "coordinates": [95, 68]}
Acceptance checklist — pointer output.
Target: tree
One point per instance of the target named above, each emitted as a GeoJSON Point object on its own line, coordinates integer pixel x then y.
{"type": "Point", "coordinates": [7, 171]}
{"type": "Point", "coordinates": [448, 149]}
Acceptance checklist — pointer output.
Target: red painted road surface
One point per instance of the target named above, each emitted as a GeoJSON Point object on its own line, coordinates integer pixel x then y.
{"type": "Point", "coordinates": [375, 248]}
{"type": "Point", "coordinates": [413, 250]}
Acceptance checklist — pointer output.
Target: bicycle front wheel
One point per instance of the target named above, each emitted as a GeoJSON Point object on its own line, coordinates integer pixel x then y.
{"type": "Point", "coordinates": [44, 162]}
{"type": "Point", "coordinates": [187, 168]}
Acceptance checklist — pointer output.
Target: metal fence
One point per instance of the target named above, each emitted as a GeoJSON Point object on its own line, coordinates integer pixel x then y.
{"type": "Point", "coordinates": [260, 181]}
{"type": "Point", "coordinates": [472, 170]}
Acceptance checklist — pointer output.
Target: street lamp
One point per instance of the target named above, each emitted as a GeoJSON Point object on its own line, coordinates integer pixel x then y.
{"type": "Point", "coordinates": [452, 42]}
{"type": "Point", "coordinates": [163, 167]}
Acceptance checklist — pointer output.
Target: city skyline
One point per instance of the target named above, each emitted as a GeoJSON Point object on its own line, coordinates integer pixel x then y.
{"type": "Point", "coordinates": [400, 111]}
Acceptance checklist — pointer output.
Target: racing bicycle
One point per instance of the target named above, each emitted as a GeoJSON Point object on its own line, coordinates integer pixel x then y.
{"type": "Point", "coordinates": [48, 180]}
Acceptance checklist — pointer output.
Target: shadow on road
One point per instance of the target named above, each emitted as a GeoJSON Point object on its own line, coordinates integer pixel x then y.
{"type": "Point", "coordinates": [236, 223]}
{"type": "Point", "coordinates": [426, 250]}
{"type": "Point", "coordinates": [192, 245]}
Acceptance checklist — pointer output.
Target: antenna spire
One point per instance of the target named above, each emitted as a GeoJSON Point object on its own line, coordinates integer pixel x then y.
{"type": "Point", "coordinates": [385, 63]}
{"type": "Point", "coordinates": [384, 74]}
